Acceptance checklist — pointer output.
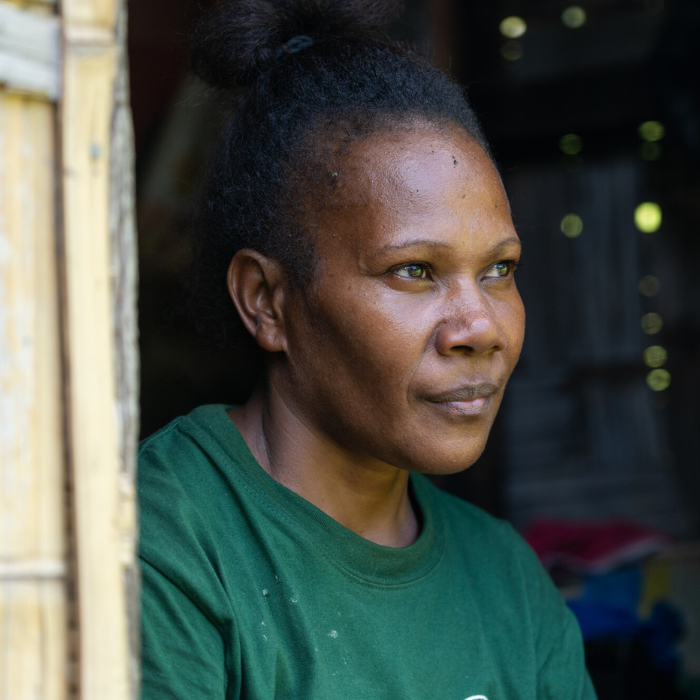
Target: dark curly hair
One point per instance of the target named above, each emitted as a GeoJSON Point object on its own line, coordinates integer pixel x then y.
{"type": "Point", "coordinates": [307, 78]}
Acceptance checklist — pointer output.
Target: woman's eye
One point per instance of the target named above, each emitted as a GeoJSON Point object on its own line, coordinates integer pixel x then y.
{"type": "Point", "coordinates": [415, 271]}
{"type": "Point", "coordinates": [501, 269]}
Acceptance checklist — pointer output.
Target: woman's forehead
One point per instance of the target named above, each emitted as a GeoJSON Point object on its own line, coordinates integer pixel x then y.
{"type": "Point", "coordinates": [423, 183]}
{"type": "Point", "coordinates": [414, 168]}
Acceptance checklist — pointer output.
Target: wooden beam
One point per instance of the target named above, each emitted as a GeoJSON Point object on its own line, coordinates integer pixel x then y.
{"type": "Point", "coordinates": [33, 615]}
{"type": "Point", "coordinates": [86, 116]}
{"type": "Point", "coordinates": [32, 569]}
{"type": "Point", "coordinates": [124, 261]}
{"type": "Point", "coordinates": [33, 659]}
{"type": "Point", "coordinates": [89, 13]}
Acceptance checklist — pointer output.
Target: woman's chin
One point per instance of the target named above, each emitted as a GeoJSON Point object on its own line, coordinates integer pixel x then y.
{"type": "Point", "coordinates": [445, 457]}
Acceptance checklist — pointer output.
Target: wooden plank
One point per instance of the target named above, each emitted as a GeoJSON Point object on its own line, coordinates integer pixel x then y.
{"type": "Point", "coordinates": [29, 51]}
{"type": "Point", "coordinates": [32, 539]}
{"type": "Point", "coordinates": [124, 257]}
{"type": "Point", "coordinates": [89, 13]}
{"type": "Point", "coordinates": [32, 569]}
{"type": "Point", "coordinates": [55, 671]}
{"type": "Point", "coordinates": [98, 169]}
{"type": "Point", "coordinates": [86, 115]}
{"type": "Point", "coordinates": [33, 618]}
{"type": "Point", "coordinates": [20, 620]}
{"type": "Point", "coordinates": [31, 451]}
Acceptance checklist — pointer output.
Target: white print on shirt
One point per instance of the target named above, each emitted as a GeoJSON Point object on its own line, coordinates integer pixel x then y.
{"type": "Point", "coordinates": [477, 697]}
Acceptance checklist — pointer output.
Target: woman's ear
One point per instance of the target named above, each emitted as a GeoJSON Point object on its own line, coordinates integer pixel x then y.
{"type": "Point", "coordinates": [256, 285]}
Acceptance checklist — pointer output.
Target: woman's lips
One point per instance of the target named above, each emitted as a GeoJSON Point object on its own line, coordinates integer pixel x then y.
{"type": "Point", "coordinates": [467, 400]}
{"type": "Point", "coordinates": [466, 408]}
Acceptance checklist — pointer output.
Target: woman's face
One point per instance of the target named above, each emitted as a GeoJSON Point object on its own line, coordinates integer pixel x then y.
{"type": "Point", "coordinates": [401, 348]}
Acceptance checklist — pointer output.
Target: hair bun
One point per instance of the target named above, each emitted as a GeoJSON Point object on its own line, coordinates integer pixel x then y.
{"type": "Point", "coordinates": [240, 38]}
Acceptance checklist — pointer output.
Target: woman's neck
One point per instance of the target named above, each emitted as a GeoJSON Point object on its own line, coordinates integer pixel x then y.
{"type": "Point", "coordinates": [367, 496]}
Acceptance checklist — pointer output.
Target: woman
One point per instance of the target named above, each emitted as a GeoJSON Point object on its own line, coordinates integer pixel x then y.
{"type": "Point", "coordinates": [361, 236]}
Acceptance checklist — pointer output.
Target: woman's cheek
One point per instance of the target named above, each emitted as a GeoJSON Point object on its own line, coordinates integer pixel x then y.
{"type": "Point", "coordinates": [514, 324]}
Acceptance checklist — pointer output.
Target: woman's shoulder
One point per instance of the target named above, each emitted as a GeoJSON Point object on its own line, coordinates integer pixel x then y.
{"type": "Point", "coordinates": [194, 430]}
{"type": "Point", "coordinates": [180, 493]}
{"type": "Point", "coordinates": [190, 453]}
{"type": "Point", "coordinates": [182, 487]}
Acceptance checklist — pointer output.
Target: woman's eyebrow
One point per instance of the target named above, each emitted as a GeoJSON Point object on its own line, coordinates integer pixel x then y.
{"type": "Point", "coordinates": [507, 243]}
{"type": "Point", "coordinates": [409, 244]}
{"type": "Point", "coordinates": [495, 250]}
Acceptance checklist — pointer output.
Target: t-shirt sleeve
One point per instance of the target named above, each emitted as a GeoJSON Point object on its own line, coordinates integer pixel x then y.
{"type": "Point", "coordinates": [182, 651]}
{"type": "Point", "coordinates": [561, 664]}
{"type": "Point", "coordinates": [189, 645]}
{"type": "Point", "coordinates": [563, 673]}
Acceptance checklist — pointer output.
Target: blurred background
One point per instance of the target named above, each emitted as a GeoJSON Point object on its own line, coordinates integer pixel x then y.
{"type": "Point", "coordinates": [593, 113]}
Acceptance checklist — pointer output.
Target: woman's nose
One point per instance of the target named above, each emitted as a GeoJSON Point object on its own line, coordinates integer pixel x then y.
{"type": "Point", "coordinates": [471, 328]}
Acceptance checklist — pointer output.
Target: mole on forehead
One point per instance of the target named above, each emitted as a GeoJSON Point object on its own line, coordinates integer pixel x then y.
{"type": "Point", "coordinates": [423, 166]}
{"type": "Point", "coordinates": [412, 164]}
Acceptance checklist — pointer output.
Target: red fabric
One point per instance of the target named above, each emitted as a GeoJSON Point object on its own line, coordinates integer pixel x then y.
{"type": "Point", "coordinates": [586, 547]}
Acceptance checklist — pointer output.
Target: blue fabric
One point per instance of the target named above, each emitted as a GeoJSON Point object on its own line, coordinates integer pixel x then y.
{"type": "Point", "coordinates": [608, 608]}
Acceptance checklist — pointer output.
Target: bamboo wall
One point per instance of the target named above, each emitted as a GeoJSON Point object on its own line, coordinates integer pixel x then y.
{"type": "Point", "coordinates": [32, 532]}
{"type": "Point", "coordinates": [68, 593]}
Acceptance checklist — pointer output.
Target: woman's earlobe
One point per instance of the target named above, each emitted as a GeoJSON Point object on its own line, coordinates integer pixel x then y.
{"type": "Point", "coordinates": [256, 285]}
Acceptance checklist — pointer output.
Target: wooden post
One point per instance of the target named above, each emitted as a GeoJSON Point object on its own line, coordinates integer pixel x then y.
{"type": "Point", "coordinates": [68, 359]}
{"type": "Point", "coordinates": [98, 261]}
{"type": "Point", "coordinates": [124, 264]}
{"type": "Point", "coordinates": [33, 602]}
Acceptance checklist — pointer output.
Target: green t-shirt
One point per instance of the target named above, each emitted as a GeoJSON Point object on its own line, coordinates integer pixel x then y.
{"type": "Point", "coordinates": [249, 591]}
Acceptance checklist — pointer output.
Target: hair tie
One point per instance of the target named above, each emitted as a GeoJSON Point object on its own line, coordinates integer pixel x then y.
{"type": "Point", "coordinates": [295, 44]}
